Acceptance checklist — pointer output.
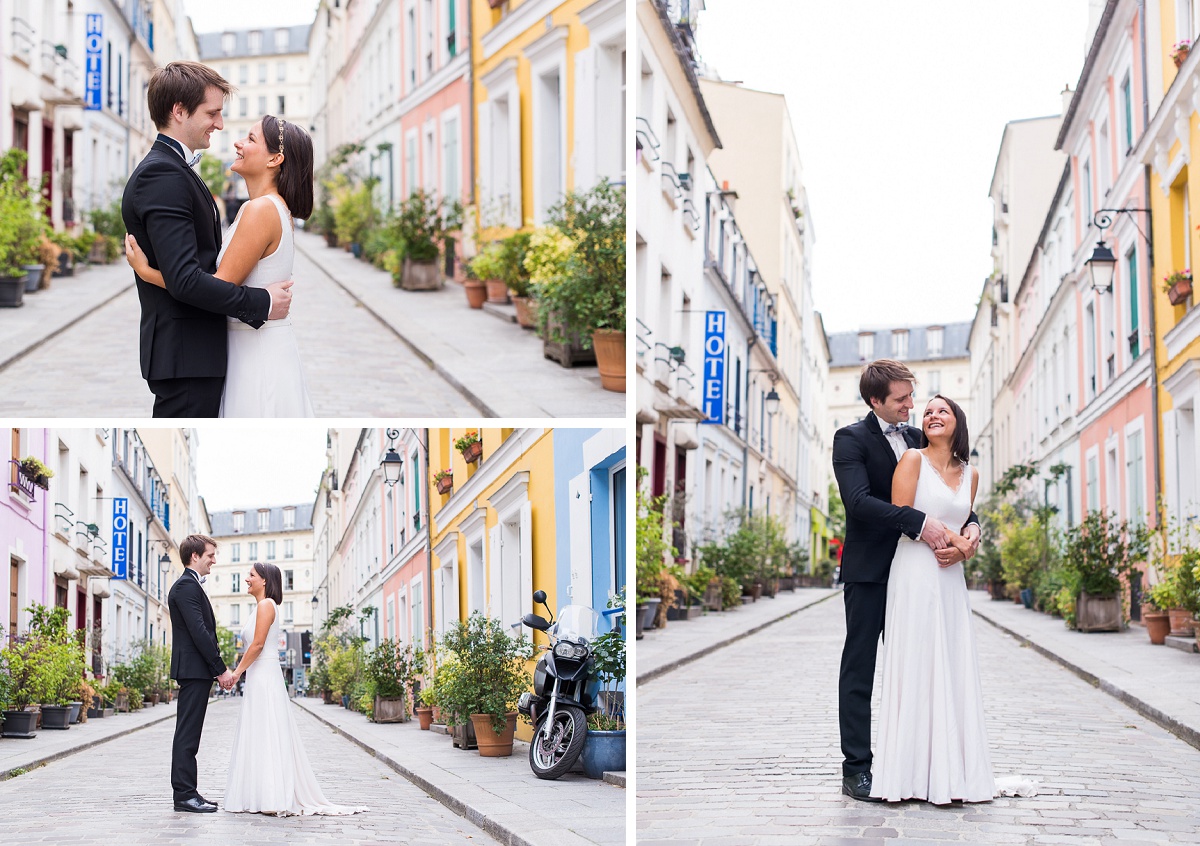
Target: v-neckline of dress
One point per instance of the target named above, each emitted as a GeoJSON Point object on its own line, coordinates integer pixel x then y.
{"type": "Point", "coordinates": [941, 478]}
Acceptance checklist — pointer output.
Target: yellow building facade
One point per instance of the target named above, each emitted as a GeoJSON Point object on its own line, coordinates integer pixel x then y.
{"type": "Point", "coordinates": [1171, 143]}
{"type": "Point", "coordinates": [549, 103]}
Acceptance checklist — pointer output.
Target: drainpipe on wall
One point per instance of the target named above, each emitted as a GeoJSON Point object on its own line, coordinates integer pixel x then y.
{"type": "Point", "coordinates": [1154, 412]}
{"type": "Point", "coordinates": [428, 539]}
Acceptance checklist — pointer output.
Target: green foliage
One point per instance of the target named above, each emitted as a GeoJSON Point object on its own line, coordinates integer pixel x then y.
{"type": "Point", "coordinates": [30, 676]}
{"type": "Point", "coordinates": [1026, 547]}
{"type": "Point", "coordinates": [1013, 476]}
{"type": "Point", "coordinates": [651, 532]}
{"type": "Point", "coordinates": [355, 213]}
{"type": "Point", "coordinates": [22, 216]}
{"type": "Point", "coordinates": [212, 172]}
{"type": "Point", "coordinates": [608, 653]}
{"type": "Point", "coordinates": [513, 250]}
{"type": "Point", "coordinates": [1102, 551]}
{"type": "Point", "coordinates": [488, 263]}
{"type": "Point", "coordinates": [837, 513]}
{"type": "Point", "coordinates": [421, 223]}
{"type": "Point", "coordinates": [345, 666]}
{"type": "Point", "coordinates": [108, 222]}
{"type": "Point", "coordinates": [227, 643]}
{"type": "Point", "coordinates": [491, 672]}
{"type": "Point", "coordinates": [392, 669]}
{"type": "Point", "coordinates": [146, 669]}
{"type": "Point", "coordinates": [755, 552]}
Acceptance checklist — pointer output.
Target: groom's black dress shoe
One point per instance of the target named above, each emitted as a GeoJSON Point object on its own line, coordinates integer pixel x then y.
{"type": "Point", "coordinates": [858, 786]}
{"type": "Point", "coordinates": [196, 805]}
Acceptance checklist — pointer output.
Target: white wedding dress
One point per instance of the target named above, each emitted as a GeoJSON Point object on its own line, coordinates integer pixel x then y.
{"type": "Point", "coordinates": [932, 743]}
{"type": "Point", "coordinates": [269, 772]}
{"type": "Point", "coordinates": [263, 377]}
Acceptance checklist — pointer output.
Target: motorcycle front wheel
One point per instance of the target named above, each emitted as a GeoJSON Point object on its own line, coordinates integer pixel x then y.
{"type": "Point", "coordinates": [556, 746]}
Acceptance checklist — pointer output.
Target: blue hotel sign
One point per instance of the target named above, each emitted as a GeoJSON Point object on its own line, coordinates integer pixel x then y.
{"type": "Point", "coordinates": [95, 54]}
{"type": "Point", "coordinates": [714, 367]}
{"type": "Point", "coordinates": [120, 538]}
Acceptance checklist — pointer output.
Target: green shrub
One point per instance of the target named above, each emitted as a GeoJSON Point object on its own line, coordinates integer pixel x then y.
{"type": "Point", "coordinates": [491, 672]}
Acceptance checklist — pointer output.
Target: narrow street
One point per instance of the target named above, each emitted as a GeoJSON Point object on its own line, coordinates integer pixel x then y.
{"type": "Point", "coordinates": [354, 365]}
{"type": "Point", "coordinates": [741, 747]}
{"type": "Point", "coordinates": [120, 792]}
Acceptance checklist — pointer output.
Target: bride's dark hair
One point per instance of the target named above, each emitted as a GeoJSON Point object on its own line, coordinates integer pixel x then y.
{"type": "Point", "coordinates": [294, 178]}
{"type": "Point", "coordinates": [960, 448]}
{"type": "Point", "coordinates": [274, 581]}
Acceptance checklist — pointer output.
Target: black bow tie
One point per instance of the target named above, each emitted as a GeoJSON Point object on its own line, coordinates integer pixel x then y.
{"type": "Point", "coordinates": [895, 427]}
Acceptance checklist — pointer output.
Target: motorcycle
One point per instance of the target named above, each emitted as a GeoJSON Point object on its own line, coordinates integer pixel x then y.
{"type": "Point", "coordinates": [564, 687]}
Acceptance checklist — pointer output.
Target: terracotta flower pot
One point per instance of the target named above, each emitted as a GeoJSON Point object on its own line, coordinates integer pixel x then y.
{"type": "Point", "coordinates": [1180, 57]}
{"type": "Point", "coordinates": [445, 484]}
{"type": "Point", "coordinates": [1181, 622]}
{"type": "Point", "coordinates": [1157, 626]}
{"type": "Point", "coordinates": [1179, 292]}
{"type": "Point", "coordinates": [425, 718]}
{"type": "Point", "coordinates": [610, 359]}
{"type": "Point", "coordinates": [492, 745]}
{"type": "Point", "coordinates": [473, 452]}
{"type": "Point", "coordinates": [526, 318]}
{"type": "Point", "coordinates": [497, 291]}
{"type": "Point", "coordinates": [476, 293]}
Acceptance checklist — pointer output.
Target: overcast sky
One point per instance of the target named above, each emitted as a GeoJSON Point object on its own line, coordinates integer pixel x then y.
{"type": "Point", "coordinates": [217, 15]}
{"type": "Point", "coordinates": [898, 110]}
{"type": "Point", "coordinates": [267, 465]}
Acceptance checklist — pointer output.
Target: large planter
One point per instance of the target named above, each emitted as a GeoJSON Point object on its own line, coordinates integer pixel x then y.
{"type": "Point", "coordinates": [420, 275]}
{"type": "Point", "coordinates": [610, 359]}
{"type": "Point", "coordinates": [445, 484]}
{"type": "Point", "coordinates": [20, 724]}
{"type": "Point", "coordinates": [526, 314]}
{"type": "Point", "coordinates": [33, 277]}
{"type": "Point", "coordinates": [65, 265]}
{"type": "Point", "coordinates": [56, 716]}
{"type": "Point", "coordinates": [12, 291]}
{"type": "Point", "coordinates": [473, 452]}
{"type": "Point", "coordinates": [603, 752]}
{"type": "Point", "coordinates": [569, 353]}
{"type": "Point", "coordinates": [476, 293]}
{"type": "Point", "coordinates": [492, 745]}
{"type": "Point", "coordinates": [1097, 613]}
{"type": "Point", "coordinates": [1027, 597]}
{"type": "Point", "coordinates": [99, 713]}
{"type": "Point", "coordinates": [651, 611]}
{"type": "Point", "coordinates": [75, 707]}
{"type": "Point", "coordinates": [425, 718]}
{"type": "Point", "coordinates": [391, 709]}
{"type": "Point", "coordinates": [463, 737]}
{"type": "Point", "coordinates": [1158, 625]}
{"type": "Point", "coordinates": [1181, 622]}
{"type": "Point", "coordinates": [497, 291]}
{"type": "Point", "coordinates": [640, 618]}
{"type": "Point", "coordinates": [1179, 292]}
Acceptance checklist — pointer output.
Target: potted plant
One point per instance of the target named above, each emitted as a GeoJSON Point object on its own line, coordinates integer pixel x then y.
{"type": "Point", "coordinates": [444, 479]}
{"type": "Point", "coordinates": [652, 550]}
{"type": "Point", "coordinates": [1158, 624]}
{"type": "Point", "coordinates": [345, 669]}
{"type": "Point", "coordinates": [491, 675]}
{"type": "Point", "coordinates": [604, 748]}
{"type": "Point", "coordinates": [1179, 51]}
{"type": "Point", "coordinates": [475, 288]}
{"type": "Point", "coordinates": [28, 680]}
{"type": "Point", "coordinates": [470, 446]}
{"type": "Point", "coordinates": [421, 225]}
{"type": "Point", "coordinates": [548, 263]}
{"type": "Point", "coordinates": [488, 265]}
{"type": "Point", "coordinates": [425, 709]}
{"type": "Point", "coordinates": [37, 472]}
{"type": "Point", "coordinates": [355, 215]}
{"type": "Point", "coordinates": [1178, 286]}
{"type": "Point", "coordinates": [585, 299]}
{"type": "Point", "coordinates": [1101, 552]}
{"type": "Point", "coordinates": [21, 227]}
{"type": "Point", "coordinates": [512, 256]}
{"type": "Point", "coordinates": [390, 669]}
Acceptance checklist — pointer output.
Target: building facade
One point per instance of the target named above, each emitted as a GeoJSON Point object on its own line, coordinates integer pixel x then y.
{"type": "Point", "coordinates": [24, 517]}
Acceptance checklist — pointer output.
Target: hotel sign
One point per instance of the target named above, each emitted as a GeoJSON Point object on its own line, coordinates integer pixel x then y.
{"type": "Point", "coordinates": [120, 538]}
{"type": "Point", "coordinates": [94, 44]}
{"type": "Point", "coordinates": [714, 367]}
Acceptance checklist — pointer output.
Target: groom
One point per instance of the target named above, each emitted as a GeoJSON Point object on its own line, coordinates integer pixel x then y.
{"type": "Point", "coordinates": [195, 662]}
{"type": "Point", "coordinates": [865, 455]}
{"type": "Point", "coordinates": [171, 213]}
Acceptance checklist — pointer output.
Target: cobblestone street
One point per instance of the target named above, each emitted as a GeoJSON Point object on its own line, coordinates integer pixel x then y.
{"type": "Point", "coordinates": [120, 792]}
{"type": "Point", "coordinates": [741, 747]}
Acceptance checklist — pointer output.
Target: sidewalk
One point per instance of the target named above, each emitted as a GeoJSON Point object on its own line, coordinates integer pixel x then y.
{"type": "Point", "coordinates": [683, 641]}
{"type": "Point", "coordinates": [491, 360]}
{"type": "Point", "coordinates": [500, 795]}
{"type": "Point", "coordinates": [50, 745]}
{"type": "Point", "coordinates": [1160, 683]}
{"type": "Point", "coordinates": [69, 298]}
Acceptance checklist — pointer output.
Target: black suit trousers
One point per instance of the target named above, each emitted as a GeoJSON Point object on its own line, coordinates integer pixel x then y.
{"type": "Point", "coordinates": [189, 723]}
{"type": "Point", "coordinates": [865, 605]}
{"type": "Point", "coordinates": [198, 396]}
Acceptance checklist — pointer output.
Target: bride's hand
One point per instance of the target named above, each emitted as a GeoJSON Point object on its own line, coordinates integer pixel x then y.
{"type": "Point", "coordinates": [135, 257]}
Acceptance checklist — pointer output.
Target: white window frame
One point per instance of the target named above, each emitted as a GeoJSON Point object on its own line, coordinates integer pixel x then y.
{"type": "Point", "coordinates": [500, 159]}
{"type": "Point", "coordinates": [1136, 507]}
{"type": "Point", "coordinates": [451, 121]}
{"type": "Point", "coordinates": [474, 529]}
{"type": "Point", "coordinates": [548, 58]}
{"type": "Point", "coordinates": [510, 571]}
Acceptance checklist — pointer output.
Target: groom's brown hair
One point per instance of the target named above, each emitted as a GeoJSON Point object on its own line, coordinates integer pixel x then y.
{"type": "Point", "coordinates": [185, 83]}
{"type": "Point", "coordinates": [193, 545]}
{"type": "Point", "coordinates": [878, 376]}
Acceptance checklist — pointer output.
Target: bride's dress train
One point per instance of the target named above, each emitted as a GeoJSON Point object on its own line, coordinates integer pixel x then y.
{"type": "Point", "coordinates": [269, 772]}
{"type": "Point", "coordinates": [932, 741]}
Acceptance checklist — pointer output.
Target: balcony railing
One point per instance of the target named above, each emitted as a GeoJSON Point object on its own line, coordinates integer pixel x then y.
{"type": "Point", "coordinates": [23, 42]}
{"type": "Point", "coordinates": [23, 482]}
{"type": "Point", "coordinates": [647, 141]}
{"type": "Point", "coordinates": [64, 519]}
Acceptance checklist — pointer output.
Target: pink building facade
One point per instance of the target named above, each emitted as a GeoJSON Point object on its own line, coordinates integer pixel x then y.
{"type": "Point", "coordinates": [404, 600]}
{"type": "Point", "coordinates": [24, 513]}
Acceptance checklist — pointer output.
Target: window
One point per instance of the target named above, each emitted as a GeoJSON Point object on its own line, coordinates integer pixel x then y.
{"type": "Point", "coordinates": [287, 612]}
{"type": "Point", "coordinates": [1135, 468]}
{"type": "Point", "coordinates": [264, 519]}
{"type": "Point", "coordinates": [1087, 193]}
{"type": "Point", "coordinates": [289, 579]}
{"type": "Point", "coordinates": [262, 104]}
{"type": "Point", "coordinates": [1089, 351]}
{"type": "Point", "coordinates": [410, 160]}
{"type": "Point", "coordinates": [289, 549]}
{"type": "Point", "coordinates": [235, 553]}
{"type": "Point", "coordinates": [866, 346]}
{"type": "Point", "coordinates": [243, 74]}
{"type": "Point", "coordinates": [237, 583]}
{"type": "Point", "coordinates": [281, 110]}
{"type": "Point", "coordinates": [255, 41]}
{"type": "Point", "coordinates": [1127, 114]}
{"type": "Point", "coordinates": [252, 550]}
{"type": "Point", "coordinates": [270, 550]}
{"type": "Point", "coordinates": [235, 615]}
{"type": "Point", "coordinates": [935, 382]}
{"type": "Point", "coordinates": [228, 43]}
{"type": "Point", "coordinates": [243, 105]}
{"type": "Point", "coordinates": [935, 340]}
{"type": "Point", "coordinates": [900, 344]}
{"type": "Point", "coordinates": [281, 41]}
{"type": "Point", "coordinates": [289, 518]}
{"type": "Point", "coordinates": [410, 50]}
{"type": "Point", "coordinates": [450, 157]}
{"type": "Point", "coordinates": [281, 71]}
{"type": "Point", "coordinates": [416, 491]}
{"type": "Point", "coordinates": [1135, 348]}
{"type": "Point", "coordinates": [239, 521]}
{"type": "Point", "coordinates": [1093, 484]}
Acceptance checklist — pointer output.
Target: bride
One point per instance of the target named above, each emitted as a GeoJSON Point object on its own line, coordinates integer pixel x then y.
{"type": "Point", "coordinates": [269, 771]}
{"type": "Point", "coordinates": [263, 377]}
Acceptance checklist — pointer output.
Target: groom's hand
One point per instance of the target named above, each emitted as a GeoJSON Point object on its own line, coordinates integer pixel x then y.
{"type": "Point", "coordinates": [225, 680]}
{"type": "Point", "coordinates": [934, 534]}
{"type": "Point", "coordinates": [281, 299]}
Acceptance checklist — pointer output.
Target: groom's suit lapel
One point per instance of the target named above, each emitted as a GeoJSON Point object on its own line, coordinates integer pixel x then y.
{"type": "Point", "coordinates": [170, 150]}
{"type": "Point", "coordinates": [879, 439]}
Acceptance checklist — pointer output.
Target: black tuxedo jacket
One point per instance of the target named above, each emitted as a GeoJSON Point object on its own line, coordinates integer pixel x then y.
{"type": "Point", "coordinates": [194, 650]}
{"type": "Point", "coordinates": [170, 211]}
{"type": "Point", "coordinates": [863, 462]}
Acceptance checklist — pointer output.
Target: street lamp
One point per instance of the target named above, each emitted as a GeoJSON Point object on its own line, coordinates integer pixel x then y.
{"type": "Point", "coordinates": [392, 463]}
{"type": "Point", "coordinates": [772, 402]}
{"type": "Point", "coordinates": [1103, 263]}
{"type": "Point", "coordinates": [974, 458]}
